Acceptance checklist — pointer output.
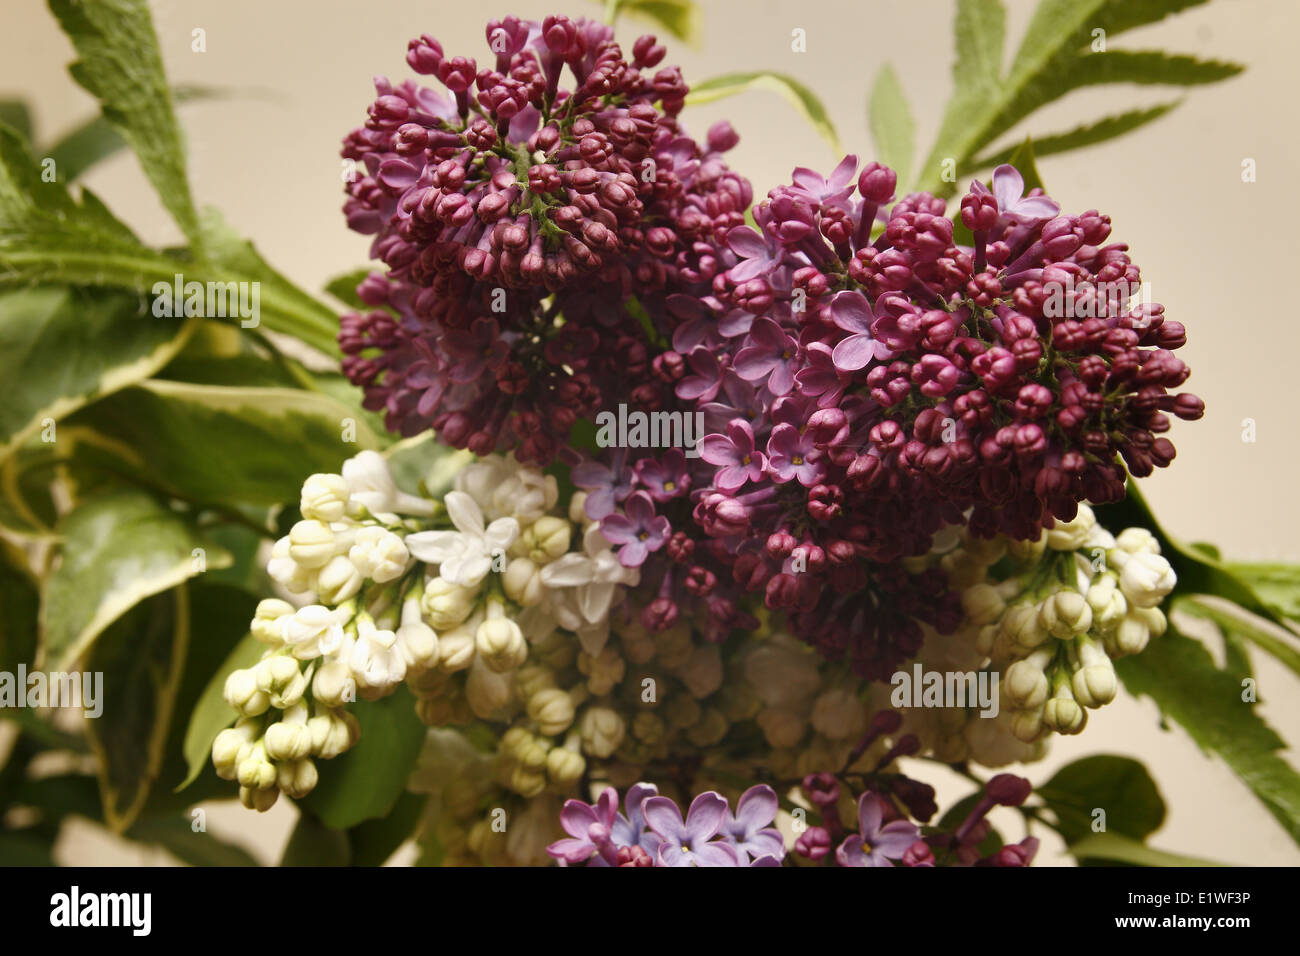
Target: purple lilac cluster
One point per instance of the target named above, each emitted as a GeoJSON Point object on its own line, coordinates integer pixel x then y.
{"type": "Point", "coordinates": [516, 217]}
{"type": "Point", "coordinates": [868, 378]}
{"type": "Point", "coordinates": [655, 832]}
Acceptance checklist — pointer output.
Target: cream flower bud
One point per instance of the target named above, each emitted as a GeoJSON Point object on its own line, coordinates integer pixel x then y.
{"type": "Point", "coordinates": [259, 800]}
{"type": "Point", "coordinates": [782, 728]}
{"type": "Point", "coordinates": [1027, 552]}
{"type": "Point", "coordinates": [709, 729]}
{"type": "Point", "coordinates": [682, 711]}
{"type": "Point", "coordinates": [1137, 541]}
{"type": "Point", "coordinates": [311, 543]}
{"type": "Point", "coordinates": [545, 540]}
{"type": "Point", "coordinates": [1022, 625]}
{"type": "Point", "coordinates": [1025, 682]}
{"type": "Point", "coordinates": [371, 486]}
{"type": "Point", "coordinates": [782, 672]}
{"type": "Point", "coordinates": [523, 582]}
{"type": "Point", "coordinates": [1065, 614]}
{"type": "Point", "coordinates": [738, 702]}
{"type": "Point", "coordinates": [604, 671]}
{"type": "Point", "coordinates": [564, 767]}
{"type": "Point", "coordinates": [1153, 618]}
{"type": "Point", "coordinates": [578, 508]}
{"type": "Point", "coordinates": [286, 741]}
{"type": "Point", "coordinates": [551, 710]}
{"type": "Point", "coordinates": [1072, 535]}
{"type": "Point", "coordinates": [1027, 725]}
{"type": "Point", "coordinates": [332, 733]}
{"type": "Point", "coordinates": [501, 644]}
{"type": "Point", "coordinates": [1107, 602]}
{"type": "Point", "coordinates": [297, 778]}
{"type": "Point", "coordinates": [446, 605]}
{"type": "Point", "coordinates": [324, 498]}
{"type": "Point", "coordinates": [602, 731]}
{"type": "Point", "coordinates": [231, 745]}
{"type": "Point", "coordinates": [255, 770]}
{"type": "Point", "coordinates": [487, 691]}
{"type": "Point", "coordinates": [532, 678]}
{"type": "Point", "coordinates": [1131, 636]}
{"type": "Point", "coordinates": [456, 649]}
{"type": "Point", "coordinates": [648, 727]}
{"type": "Point", "coordinates": [982, 604]}
{"type": "Point", "coordinates": [1094, 683]}
{"type": "Point", "coordinates": [334, 684]}
{"type": "Point", "coordinates": [1146, 579]}
{"type": "Point", "coordinates": [338, 581]}
{"type": "Point", "coordinates": [315, 630]}
{"type": "Point", "coordinates": [838, 713]}
{"type": "Point", "coordinates": [287, 572]}
{"type": "Point", "coordinates": [379, 554]}
{"type": "Point", "coordinates": [242, 693]}
{"type": "Point", "coordinates": [1062, 712]}
{"type": "Point", "coordinates": [267, 624]}
{"type": "Point", "coordinates": [418, 645]}
{"type": "Point", "coordinates": [527, 783]}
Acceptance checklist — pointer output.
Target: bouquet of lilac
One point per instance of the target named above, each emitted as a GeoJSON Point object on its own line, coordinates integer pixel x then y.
{"type": "Point", "coordinates": [683, 524]}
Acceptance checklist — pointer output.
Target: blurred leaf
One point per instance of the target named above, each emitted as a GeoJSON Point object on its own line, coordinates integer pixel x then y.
{"type": "Point", "coordinates": [312, 843]}
{"type": "Point", "coordinates": [121, 66]}
{"type": "Point", "coordinates": [1277, 585]}
{"type": "Point", "coordinates": [1024, 160]}
{"type": "Point", "coordinates": [61, 795]}
{"type": "Point", "coordinates": [374, 841]}
{"type": "Point", "coordinates": [1120, 786]}
{"type": "Point", "coordinates": [69, 347]}
{"type": "Point", "coordinates": [25, 848]}
{"type": "Point", "coordinates": [15, 113]}
{"type": "Point", "coordinates": [96, 139]}
{"type": "Point", "coordinates": [235, 446]}
{"type": "Point", "coordinates": [892, 128]}
{"type": "Point", "coordinates": [175, 833]}
{"type": "Point", "coordinates": [799, 96]}
{"type": "Point", "coordinates": [20, 603]}
{"type": "Point", "coordinates": [1081, 136]}
{"type": "Point", "coordinates": [366, 781]}
{"type": "Point", "coordinates": [344, 287]}
{"type": "Point", "coordinates": [980, 27]}
{"type": "Point", "coordinates": [1232, 619]}
{"type": "Point", "coordinates": [1123, 849]}
{"type": "Point", "coordinates": [211, 714]}
{"type": "Point", "coordinates": [118, 549]}
{"type": "Point", "coordinates": [681, 18]}
{"type": "Point", "coordinates": [1178, 673]}
{"type": "Point", "coordinates": [142, 659]}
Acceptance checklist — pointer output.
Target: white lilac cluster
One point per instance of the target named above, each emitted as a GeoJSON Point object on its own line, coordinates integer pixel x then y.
{"type": "Point", "coordinates": [400, 588]}
{"type": "Point", "coordinates": [1049, 616]}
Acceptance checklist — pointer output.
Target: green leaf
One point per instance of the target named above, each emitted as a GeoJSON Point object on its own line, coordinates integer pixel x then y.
{"type": "Point", "coordinates": [1117, 848]}
{"type": "Point", "coordinates": [799, 96]}
{"type": "Point", "coordinates": [176, 834]}
{"type": "Point", "coordinates": [422, 459]}
{"type": "Point", "coordinates": [96, 139]}
{"type": "Point", "coordinates": [980, 27]}
{"type": "Point", "coordinates": [26, 848]}
{"type": "Point", "coordinates": [60, 795]}
{"type": "Point", "coordinates": [1087, 135]}
{"type": "Point", "coordinates": [312, 843]}
{"type": "Point", "coordinates": [1178, 673]}
{"type": "Point", "coordinates": [1234, 620]}
{"type": "Point", "coordinates": [20, 603]}
{"type": "Point", "coordinates": [1120, 786]}
{"type": "Point", "coordinates": [236, 446]}
{"type": "Point", "coordinates": [142, 658]}
{"type": "Point", "coordinates": [120, 65]}
{"type": "Point", "coordinates": [374, 841]}
{"type": "Point", "coordinates": [70, 347]}
{"type": "Point", "coordinates": [118, 549]}
{"type": "Point", "coordinates": [892, 128]}
{"type": "Point", "coordinates": [1024, 160]}
{"type": "Point", "coordinates": [681, 18]}
{"type": "Point", "coordinates": [344, 287]}
{"type": "Point", "coordinates": [211, 714]}
{"type": "Point", "coordinates": [1198, 572]}
{"type": "Point", "coordinates": [1055, 57]}
{"type": "Point", "coordinates": [366, 781]}
{"type": "Point", "coordinates": [1277, 585]}
{"type": "Point", "coordinates": [15, 114]}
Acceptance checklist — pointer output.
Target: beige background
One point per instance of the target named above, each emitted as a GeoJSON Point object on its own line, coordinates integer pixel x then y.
{"type": "Point", "coordinates": [1216, 251]}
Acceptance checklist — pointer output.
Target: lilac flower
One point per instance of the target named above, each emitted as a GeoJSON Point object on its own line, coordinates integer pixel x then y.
{"type": "Point", "coordinates": [639, 530]}
{"type": "Point", "coordinates": [873, 844]}
{"type": "Point", "coordinates": [749, 830]}
{"type": "Point", "coordinates": [606, 485]}
{"type": "Point", "coordinates": [1009, 189]}
{"type": "Point", "coordinates": [590, 827]}
{"type": "Point", "coordinates": [820, 378]}
{"type": "Point", "coordinates": [703, 385]}
{"type": "Point", "coordinates": [735, 454]}
{"type": "Point", "coordinates": [828, 192]}
{"type": "Point", "coordinates": [757, 257]}
{"type": "Point", "coordinates": [792, 454]}
{"type": "Point", "coordinates": [852, 313]}
{"type": "Point", "coordinates": [476, 349]}
{"type": "Point", "coordinates": [688, 843]}
{"type": "Point", "coordinates": [665, 478]}
{"type": "Point", "coordinates": [770, 352]}
{"type": "Point", "coordinates": [631, 830]}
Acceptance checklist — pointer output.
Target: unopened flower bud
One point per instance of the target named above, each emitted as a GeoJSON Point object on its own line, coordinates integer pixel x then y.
{"type": "Point", "coordinates": [456, 650]}
{"type": "Point", "coordinates": [297, 778]}
{"type": "Point", "coordinates": [551, 710]}
{"type": "Point", "coordinates": [242, 693]}
{"type": "Point", "coordinates": [1071, 535]}
{"type": "Point", "coordinates": [1062, 712]}
{"type": "Point", "coordinates": [486, 690]}
{"type": "Point", "coordinates": [1065, 614]}
{"type": "Point", "coordinates": [1137, 541]}
{"type": "Point", "coordinates": [231, 746]}
{"type": "Point", "coordinates": [256, 771]}
{"type": "Point", "coordinates": [311, 543]}
{"type": "Point", "coordinates": [1094, 683]}
{"type": "Point", "coordinates": [379, 554]}
{"type": "Point", "coordinates": [267, 620]}
{"type": "Point", "coordinates": [259, 800]}
{"type": "Point", "coordinates": [324, 498]}
{"type": "Point", "coordinates": [338, 580]}
{"type": "Point", "coordinates": [564, 767]}
{"type": "Point", "coordinates": [287, 742]}
{"type": "Point", "coordinates": [602, 731]}
{"type": "Point", "coordinates": [1025, 682]}
{"type": "Point", "coordinates": [523, 582]}
{"type": "Point", "coordinates": [334, 684]}
{"type": "Point", "coordinates": [447, 605]}
{"type": "Point", "coordinates": [1146, 579]}
{"type": "Point", "coordinates": [546, 539]}
{"type": "Point", "coordinates": [982, 604]}
{"type": "Point", "coordinates": [501, 644]}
